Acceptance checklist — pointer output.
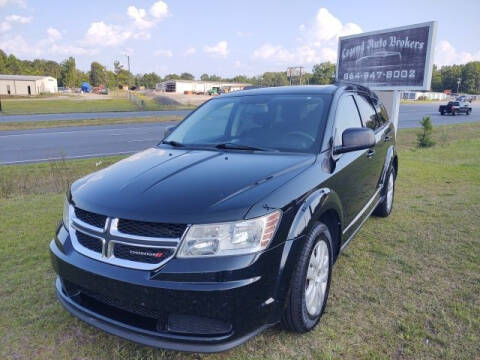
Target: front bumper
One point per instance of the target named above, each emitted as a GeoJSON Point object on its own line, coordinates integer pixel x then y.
{"type": "Point", "coordinates": [198, 305]}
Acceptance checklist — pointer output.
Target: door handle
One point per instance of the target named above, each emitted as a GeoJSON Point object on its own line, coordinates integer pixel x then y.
{"type": "Point", "coordinates": [370, 153]}
{"type": "Point", "coordinates": [387, 138]}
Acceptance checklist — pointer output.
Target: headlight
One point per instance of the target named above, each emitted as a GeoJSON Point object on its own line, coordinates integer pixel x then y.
{"type": "Point", "coordinates": [66, 213]}
{"type": "Point", "coordinates": [233, 238]}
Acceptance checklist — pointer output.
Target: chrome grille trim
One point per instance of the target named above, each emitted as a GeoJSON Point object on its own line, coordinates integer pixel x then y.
{"type": "Point", "coordinates": [111, 236]}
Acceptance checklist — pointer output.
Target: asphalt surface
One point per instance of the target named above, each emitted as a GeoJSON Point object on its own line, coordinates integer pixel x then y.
{"type": "Point", "coordinates": [91, 115]}
{"type": "Point", "coordinates": [26, 146]}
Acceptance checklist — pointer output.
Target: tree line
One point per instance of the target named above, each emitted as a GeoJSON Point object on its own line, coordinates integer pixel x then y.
{"type": "Point", "coordinates": [68, 75]}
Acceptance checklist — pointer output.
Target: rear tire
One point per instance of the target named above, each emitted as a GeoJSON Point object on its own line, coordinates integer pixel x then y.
{"type": "Point", "coordinates": [453, 113]}
{"type": "Point", "coordinates": [468, 112]}
{"type": "Point", "coordinates": [384, 208]}
{"type": "Point", "coordinates": [310, 282]}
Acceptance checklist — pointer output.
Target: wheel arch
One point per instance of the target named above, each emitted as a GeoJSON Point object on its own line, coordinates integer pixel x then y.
{"type": "Point", "coordinates": [321, 205]}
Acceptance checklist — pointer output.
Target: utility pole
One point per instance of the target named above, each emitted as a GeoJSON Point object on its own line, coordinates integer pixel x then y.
{"type": "Point", "coordinates": [459, 80]}
{"type": "Point", "coordinates": [128, 61]}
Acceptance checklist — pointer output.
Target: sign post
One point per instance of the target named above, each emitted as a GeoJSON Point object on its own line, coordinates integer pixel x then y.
{"type": "Point", "coordinates": [389, 61]}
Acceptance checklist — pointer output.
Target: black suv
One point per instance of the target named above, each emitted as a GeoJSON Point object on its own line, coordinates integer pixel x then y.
{"type": "Point", "coordinates": [232, 223]}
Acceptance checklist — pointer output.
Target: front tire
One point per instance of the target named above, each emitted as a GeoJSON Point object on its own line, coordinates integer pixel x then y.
{"type": "Point", "coordinates": [442, 113]}
{"type": "Point", "coordinates": [468, 112]}
{"type": "Point", "coordinates": [384, 208]}
{"type": "Point", "coordinates": [310, 282]}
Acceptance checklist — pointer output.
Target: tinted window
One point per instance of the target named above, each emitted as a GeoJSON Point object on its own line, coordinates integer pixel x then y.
{"type": "Point", "coordinates": [367, 111]}
{"type": "Point", "coordinates": [346, 117]}
{"type": "Point", "coordinates": [382, 114]}
{"type": "Point", "coordinates": [280, 122]}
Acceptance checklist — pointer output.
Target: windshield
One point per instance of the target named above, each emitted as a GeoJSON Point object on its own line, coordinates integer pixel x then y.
{"type": "Point", "coordinates": [271, 122]}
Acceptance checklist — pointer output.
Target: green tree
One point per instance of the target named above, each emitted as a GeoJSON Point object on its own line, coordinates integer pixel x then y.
{"type": "Point", "coordinates": [187, 76]}
{"type": "Point", "coordinates": [424, 139]}
{"type": "Point", "coordinates": [13, 65]}
{"type": "Point", "coordinates": [240, 79]}
{"type": "Point", "coordinates": [204, 77]}
{"type": "Point", "coordinates": [172, 77]}
{"type": "Point", "coordinates": [68, 73]}
{"type": "Point", "coordinates": [274, 79]}
{"type": "Point", "coordinates": [450, 74]}
{"type": "Point", "coordinates": [98, 74]}
{"type": "Point", "coordinates": [471, 77]}
{"type": "Point", "coordinates": [150, 80]}
{"type": "Point", "coordinates": [437, 84]}
{"type": "Point", "coordinates": [323, 74]}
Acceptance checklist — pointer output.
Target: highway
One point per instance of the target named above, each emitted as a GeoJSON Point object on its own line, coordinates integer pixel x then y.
{"type": "Point", "coordinates": [91, 115]}
{"type": "Point", "coordinates": [26, 146]}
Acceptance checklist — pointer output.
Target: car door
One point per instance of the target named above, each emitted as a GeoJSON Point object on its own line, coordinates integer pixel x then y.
{"type": "Point", "coordinates": [376, 155]}
{"type": "Point", "coordinates": [350, 178]}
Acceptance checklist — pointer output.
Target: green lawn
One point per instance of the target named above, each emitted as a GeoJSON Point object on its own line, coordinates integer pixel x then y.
{"type": "Point", "coordinates": [408, 287]}
{"type": "Point", "coordinates": [69, 105]}
{"type": "Point", "coordinates": [28, 125]}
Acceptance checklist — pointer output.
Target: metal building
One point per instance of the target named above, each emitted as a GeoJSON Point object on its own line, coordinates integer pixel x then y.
{"type": "Point", "coordinates": [27, 85]}
{"type": "Point", "coordinates": [195, 86]}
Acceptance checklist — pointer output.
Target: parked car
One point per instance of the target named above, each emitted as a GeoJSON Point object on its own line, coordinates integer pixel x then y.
{"type": "Point", "coordinates": [456, 107]}
{"type": "Point", "coordinates": [232, 223]}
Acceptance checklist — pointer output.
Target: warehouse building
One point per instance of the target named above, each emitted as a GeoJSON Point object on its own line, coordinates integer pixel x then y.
{"type": "Point", "coordinates": [27, 85]}
{"type": "Point", "coordinates": [197, 87]}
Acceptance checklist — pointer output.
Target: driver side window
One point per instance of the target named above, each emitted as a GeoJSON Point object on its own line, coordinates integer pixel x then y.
{"type": "Point", "coordinates": [347, 116]}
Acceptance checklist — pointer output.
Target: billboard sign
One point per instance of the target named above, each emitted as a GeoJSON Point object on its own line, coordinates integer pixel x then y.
{"type": "Point", "coordinates": [392, 59]}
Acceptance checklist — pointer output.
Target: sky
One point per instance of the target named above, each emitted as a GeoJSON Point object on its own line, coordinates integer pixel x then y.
{"type": "Point", "coordinates": [226, 38]}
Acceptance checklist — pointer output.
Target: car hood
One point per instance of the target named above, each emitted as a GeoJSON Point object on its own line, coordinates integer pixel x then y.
{"type": "Point", "coordinates": [186, 186]}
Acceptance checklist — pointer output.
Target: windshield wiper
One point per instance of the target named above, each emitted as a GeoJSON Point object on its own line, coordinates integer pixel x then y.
{"type": "Point", "coordinates": [173, 143]}
{"type": "Point", "coordinates": [240, 147]}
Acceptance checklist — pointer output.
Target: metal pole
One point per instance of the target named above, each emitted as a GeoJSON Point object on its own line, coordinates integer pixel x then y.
{"type": "Point", "coordinates": [128, 61]}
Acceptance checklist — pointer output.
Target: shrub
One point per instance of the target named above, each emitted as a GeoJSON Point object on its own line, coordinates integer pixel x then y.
{"type": "Point", "coordinates": [424, 139]}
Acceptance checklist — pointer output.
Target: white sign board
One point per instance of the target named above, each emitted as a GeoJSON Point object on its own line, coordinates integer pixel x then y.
{"type": "Point", "coordinates": [393, 59]}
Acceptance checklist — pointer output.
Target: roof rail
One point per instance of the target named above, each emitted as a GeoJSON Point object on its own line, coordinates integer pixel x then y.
{"type": "Point", "coordinates": [353, 86]}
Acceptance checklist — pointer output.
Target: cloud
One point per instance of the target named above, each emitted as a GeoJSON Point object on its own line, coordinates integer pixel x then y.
{"type": "Point", "coordinates": [159, 10]}
{"type": "Point", "coordinates": [53, 34]}
{"type": "Point", "coordinates": [219, 49]}
{"type": "Point", "coordinates": [46, 46]}
{"type": "Point", "coordinates": [103, 34]}
{"type": "Point", "coordinates": [18, 19]}
{"type": "Point", "coordinates": [317, 42]}
{"type": "Point", "coordinates": [20, 3]}
{"type": "Point", "coordinates": [166, 53]}
{"type": "Point", "coordinates": [5, 26]}
{"type": "Point", "coordinates": [139, 17]}
{"type": "Point", "coordinates": [445, 54]}
{"type": "Point", "coordinates": [190, 51]}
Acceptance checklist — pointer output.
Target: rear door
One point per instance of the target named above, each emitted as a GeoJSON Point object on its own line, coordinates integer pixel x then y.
{"type": "Point", "coordinates": [376, 155]}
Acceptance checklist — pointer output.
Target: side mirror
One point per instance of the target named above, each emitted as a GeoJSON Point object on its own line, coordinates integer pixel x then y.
{"type": "Point", "coordinates": [354, 139]}
{"type": "Point", "coordinates": [168, 130]}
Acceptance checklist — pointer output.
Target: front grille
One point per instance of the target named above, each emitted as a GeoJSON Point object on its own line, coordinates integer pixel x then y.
{"type": "Point", "coordinates": [90, 242]}
{"type": "Point", "coordinates": [91, 218]}
{"type": "Point", "coordinates": [196, 325]}
{"type": "Point", "coordinates": [124, 305]}
{"type": "Point", "coordinates": [151, 229]}
{"type": "Point", "coordinates": [141, 254]}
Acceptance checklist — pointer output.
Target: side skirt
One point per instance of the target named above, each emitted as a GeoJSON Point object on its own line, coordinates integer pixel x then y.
{"type": "Point", "coordinates": [345, 244]}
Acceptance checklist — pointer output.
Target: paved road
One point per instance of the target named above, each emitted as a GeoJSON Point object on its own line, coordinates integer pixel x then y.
{"type": "Point", "coordinates": [94, 115]}
{"type": "Point", "coordinates": [26, 146]}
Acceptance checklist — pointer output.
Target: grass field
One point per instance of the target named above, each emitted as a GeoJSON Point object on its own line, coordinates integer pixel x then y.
{"type": "Point", "coordinates": [69, 105]}
{"type": "Point", "coordinates": [408, 287]}
{"type": "Point", "coordinates": [29, 125]}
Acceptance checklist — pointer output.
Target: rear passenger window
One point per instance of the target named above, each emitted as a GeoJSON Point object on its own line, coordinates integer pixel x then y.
{"type": "Point", "coordinates": [346, 117]}
{"type": "Point", "coordinates": [382, 114]}
{"type": "Point", "coordinates": [367, 111]}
